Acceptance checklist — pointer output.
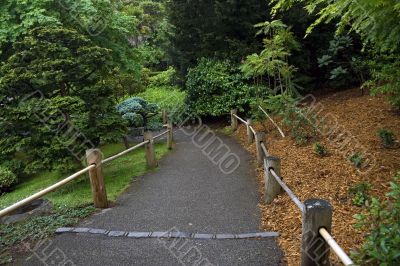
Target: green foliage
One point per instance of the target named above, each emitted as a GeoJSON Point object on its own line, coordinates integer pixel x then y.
{"type": "Point", "coordinates": [386, 77]}
{"type": "Point", "coordinates": [320, 149]}
{"type": "Point", "coordinates": [168, 98]}
{"type": "Point", "coordinates": [272, 62]}
{"type": "Point", "coordinates": [52, 86]}
{"type": "Point", "coordinates": [376, 21]}
{"type": "Point", "coordinates": [105, 22]}
{"type": "Point", "coordinates": [138, 112]}
{"type": "Point", "coordinates": [38, 228]}
{"type": "Point", "coordinates": [215, 87]}
{"type": "Point", "coordinates": [302, 129]}
{"type": "Point", "coordinates": [342, 62]}
{"type": "Point", "coordinates": [164, 78]}
{"type": "Point", "coordinates": [382, 244]}
{"type": "Point", "coordinates": [357, 159]}
{"type": "Point", "coordinates": [387, 137]}
{"type": "Point", "coordinates": [359, 192]}
{"type": "Point", "coordinates": [7, 179]}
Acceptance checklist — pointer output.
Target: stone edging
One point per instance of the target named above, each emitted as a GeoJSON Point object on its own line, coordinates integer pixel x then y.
{"type": "Point", "coordinates": [166, 234]}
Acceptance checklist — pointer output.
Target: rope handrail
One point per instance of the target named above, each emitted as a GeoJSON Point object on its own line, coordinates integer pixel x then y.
{"type": "Point", "coordinates": [252, 130]}
{"type": "Point", "coordinates": [264, 149]}
{"type": "Point", "coordinates": [335, 247]}
{"type": "Point", "coordinates": [286, 188]}
{"type": "Point", "coordinates": [241, 119]}
{"type": "Point", "coordinates": [124, 152]}
{"type": "Point", "coordinates": [43, 192]}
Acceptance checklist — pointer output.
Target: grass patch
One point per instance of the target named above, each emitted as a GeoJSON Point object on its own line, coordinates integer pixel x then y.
{"type": "Point", "coordinates": [73, 201]}
{"type": "Point", "coordinates": [118, 175]}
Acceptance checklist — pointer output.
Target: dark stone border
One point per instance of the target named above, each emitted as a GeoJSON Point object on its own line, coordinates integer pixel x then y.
{"type": "Point", "coordinates": [166, 234]}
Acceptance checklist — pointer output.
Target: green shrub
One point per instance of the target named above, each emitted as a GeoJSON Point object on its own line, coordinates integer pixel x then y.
{"type": "Point", "coordinates": [357, 159]}
{"type": "Point", "coordinates": [163, 78]}
{"type": "Point", "coordinates": [382, 244]}
{"type": "Point", "coordinates": [138, 112]}
{"type": "Point", "coordinates": [385, 71]}
{"type": "Point", "coordinates": [7, 179]}
{"type": "Point", "coordinates": [320, 149]}
{"type": "Point", "coordinates": [359, 193]}
{"type": "Point", "coordinates": [387, 138]}
{"type": "Point", "coordinates": [169, 98]}
{"type": "Point", "coordinates": [216, 87]}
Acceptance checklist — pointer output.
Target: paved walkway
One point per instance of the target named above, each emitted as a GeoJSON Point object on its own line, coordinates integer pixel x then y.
{"type": "Point", "coordinates": [189, 194]}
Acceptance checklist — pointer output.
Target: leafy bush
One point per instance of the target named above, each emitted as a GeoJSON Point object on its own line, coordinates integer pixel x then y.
{"type": "Point", "coordinates": [382, 244]}
{"type": "Point", "coordinates": [7, 179]}
{"type": "Point", "coordinates": [169, 98]}
{"type": "Point", "coordinates": [216, 87]}
{"type": "Point", "coordinates": [320, 149]}
{"type": "Point", "coordinates": [138, 112]}
{"type": "Point", "coordinates": [359, 193]}
{"type": "Point", "coordinates": [163, 78]}
{"type": "Point", "coordinates": [387, 137]}
{"type": "Point", "coordinates": [357, 159]}
{"type": "Point", "coordinates": [386, 78]}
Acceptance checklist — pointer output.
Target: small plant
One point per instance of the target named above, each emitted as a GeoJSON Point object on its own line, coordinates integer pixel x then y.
{"type": "Point", "coordinates": [387, 137]}
{"type": "Point", "coordinates": [382, 244]}
{"type": "Point", "coordinates": [7, 179]}
{"type": "Point", "coordinates": [357, 159]}
{"type": "Point", "coordinates": [320, 149]}
{"type": "Point", "coordinates": [359, 193]}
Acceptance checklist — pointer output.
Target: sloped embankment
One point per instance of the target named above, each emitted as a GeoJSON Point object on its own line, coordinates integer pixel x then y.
{"type": "Point", "coordinates": [330, 177]}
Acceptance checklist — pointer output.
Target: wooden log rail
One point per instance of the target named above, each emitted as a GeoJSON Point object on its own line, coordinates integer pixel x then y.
{"type": "Point", "coordinates": [95, 170]}
{"type": "Point", "coordinates": [317, 213]}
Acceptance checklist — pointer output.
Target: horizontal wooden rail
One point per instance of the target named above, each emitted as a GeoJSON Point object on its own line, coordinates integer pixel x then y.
{"type": "Point", "coordinates": [316, 213]}
{"type": "Point", "coordinates": [45, 191]}
{"type": "Point", "coordinates": [124, 152]}
{"type": "Point", "coordinates": [264, 149]}
{"type": "Point", "coordinates": [160, 135]}
{"type": "Point", "coordinates": [253, 130]}
{"type": "Point", "coordinates": [335, 247]}
{"type": "Point", "coordinates": [96, 173]}
{"type": "Point", "coordinates": [287, 189]}
{"type": "Point", "coordinates": [241, 119]}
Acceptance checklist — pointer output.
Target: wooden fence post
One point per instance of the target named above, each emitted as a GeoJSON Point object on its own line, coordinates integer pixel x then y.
{"type": "Point", "coordinates": [272, 187]}
{"type": "Point", "coordinates": [234, 120]}
{"type": "Point", "coordinates": [314, 249]}
{"type": "Point", "coordinates": [99, 193]}
{"type": "Point", "coordinates": [260, 137]}
{"type": "Point", "coordinates": [149, 149]}
{"type": "Point", "coordinates": [250, 136]}
{"type": "Point", "coordinates": [170, 136]}
{"type": "Point", "coordinates": [164, 116]}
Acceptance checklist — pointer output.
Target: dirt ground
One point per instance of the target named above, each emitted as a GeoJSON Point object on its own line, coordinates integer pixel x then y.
{"type": "Point", "coordinates": [330, 177]}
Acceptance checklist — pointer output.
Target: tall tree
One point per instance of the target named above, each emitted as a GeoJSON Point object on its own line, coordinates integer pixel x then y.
{"type": "Point", "coordinates": [54, 101]}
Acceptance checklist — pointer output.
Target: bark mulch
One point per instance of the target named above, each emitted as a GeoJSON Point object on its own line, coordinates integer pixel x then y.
{"type": "Point", "coordinates": [329, 177]}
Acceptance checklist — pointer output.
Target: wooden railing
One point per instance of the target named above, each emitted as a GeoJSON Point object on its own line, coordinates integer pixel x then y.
{"type": "Point", "coordinates": [317, 213]}
{"type": "Point", "coordinates": [95, 170]}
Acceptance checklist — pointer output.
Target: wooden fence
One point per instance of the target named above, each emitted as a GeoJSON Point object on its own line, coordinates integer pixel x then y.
{"type": "Point", "coordinates": [95, 170]}
{"type": "Point", "coordinates": [317, 213]}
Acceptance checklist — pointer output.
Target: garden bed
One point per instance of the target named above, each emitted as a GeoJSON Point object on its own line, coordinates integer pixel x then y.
{"type": "Point", "coordinates": [330, 177]}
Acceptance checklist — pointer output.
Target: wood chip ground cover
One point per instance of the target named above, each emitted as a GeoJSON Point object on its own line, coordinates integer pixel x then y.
{"type": "Point", "coordinates": [329, 177]}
